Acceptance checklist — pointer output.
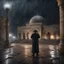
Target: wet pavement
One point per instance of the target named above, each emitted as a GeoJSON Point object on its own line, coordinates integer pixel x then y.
{"type": "Point", "coordinates": [21, 54]}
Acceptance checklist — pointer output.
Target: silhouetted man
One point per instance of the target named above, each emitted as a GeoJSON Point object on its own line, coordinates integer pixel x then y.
{"type": "Point", "coordinates": [35, 44]}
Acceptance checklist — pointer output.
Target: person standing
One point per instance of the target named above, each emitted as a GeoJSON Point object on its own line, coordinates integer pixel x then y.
{"type": "Point", "coordinates": [35, 42]}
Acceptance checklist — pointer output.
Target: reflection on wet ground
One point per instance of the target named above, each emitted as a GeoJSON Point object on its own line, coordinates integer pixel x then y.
{"type": "Point", "coordinates": [21, 54]}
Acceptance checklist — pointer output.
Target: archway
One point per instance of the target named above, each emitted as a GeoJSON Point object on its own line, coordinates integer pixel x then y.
{"type": "Point", "coordinates": [48, 35]}
{"type": "Point", "coordinates": [23, 35]}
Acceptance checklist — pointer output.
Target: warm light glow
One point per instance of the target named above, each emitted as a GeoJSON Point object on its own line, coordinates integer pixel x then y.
{"type": "Point", "coordinates": [13, 44]}
{"type": "Point", "coordinates": [10, 35]}
{"type": "Point", "coordinates": [57, 37]}
{"type": "Point", "coordinates": [52, 37]}
{"type": "Point", "coordinates": [45, 37]}
{"type": "Point", "coordinates": [7, 5]}
{"type": "Point", "coordinates": [27, 50]}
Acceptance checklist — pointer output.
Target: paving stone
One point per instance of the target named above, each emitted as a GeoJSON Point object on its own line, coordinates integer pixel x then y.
{"type": "Point", "coordinates": [21, 54]}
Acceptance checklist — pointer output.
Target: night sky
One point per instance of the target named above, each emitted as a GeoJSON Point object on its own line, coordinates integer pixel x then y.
{"type": "Point", "coordinates": [23, 10]}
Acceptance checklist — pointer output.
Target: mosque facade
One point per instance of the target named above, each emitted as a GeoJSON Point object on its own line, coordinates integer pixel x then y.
{"type": "Point", "coordinates": [35, 23]}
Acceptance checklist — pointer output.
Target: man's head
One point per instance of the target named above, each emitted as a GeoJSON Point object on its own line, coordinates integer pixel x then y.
{"type": "Point", "coordinates": [35, 31]}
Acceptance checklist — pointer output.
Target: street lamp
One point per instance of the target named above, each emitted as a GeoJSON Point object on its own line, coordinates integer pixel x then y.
{"type": "Point", "coordinates": [7, 6]}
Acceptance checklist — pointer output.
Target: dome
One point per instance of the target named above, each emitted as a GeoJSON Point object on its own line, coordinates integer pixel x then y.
{"type": "Point", "coordinates": [36, 19]}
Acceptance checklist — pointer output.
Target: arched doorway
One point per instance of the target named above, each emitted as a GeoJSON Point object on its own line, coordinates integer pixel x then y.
{"type": "Point", "coordinates": [48, 35]}
{"type": "Point", "coordinates": [23, 35]}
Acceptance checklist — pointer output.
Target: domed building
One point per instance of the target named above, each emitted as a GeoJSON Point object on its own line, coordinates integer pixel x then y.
{"type": "Point", "coordinates": [36, 19]}
{"type": "Point", "coordinates": [35, 23]}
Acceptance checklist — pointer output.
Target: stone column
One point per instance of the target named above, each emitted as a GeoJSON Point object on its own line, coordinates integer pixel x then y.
{"type": "Point", "coordinates": [7, 29]}
{"type": "Point", "coordinates": [61, 23]}
{"type": "Point", "coordinates": [61, 11]}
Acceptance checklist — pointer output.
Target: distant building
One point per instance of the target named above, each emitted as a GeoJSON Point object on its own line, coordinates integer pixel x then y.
{"type": "Point", "coordinates": [2, 29]}
{"type": "Point", "coordinates": [36, 23]}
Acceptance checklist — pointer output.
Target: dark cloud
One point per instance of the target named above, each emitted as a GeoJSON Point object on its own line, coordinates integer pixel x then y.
{"type": "Point", "coordinates": [23, 10]}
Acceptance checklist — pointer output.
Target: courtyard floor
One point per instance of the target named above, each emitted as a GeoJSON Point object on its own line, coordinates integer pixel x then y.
{"type": "Point", "coordinates": [20, 53]}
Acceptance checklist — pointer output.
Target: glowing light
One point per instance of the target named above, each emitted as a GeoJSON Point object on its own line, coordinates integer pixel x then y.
{"type": "Point", "coordinates": [57, 37]}
{"type": "Point", "coordinates": [7, 5]}
{"type": "Point", "coordinates": [10, 35]}
{"type": "Point", "coordinates": [27, 50]}
{"type": "Point", "coordinates": [45, 37]}
{"type": "Point", "coordinates": [13, 44]}
{"type": "Point", "coordinates": [7, 55]}
{"type": "Point", "coordinates": [26, 46]}
{"type": "Point", "coordinates": [52, 37]}
{"type": "Point", "coordinates": [52, 53]}
{"type": "Point", "coordinates": [14, 37]}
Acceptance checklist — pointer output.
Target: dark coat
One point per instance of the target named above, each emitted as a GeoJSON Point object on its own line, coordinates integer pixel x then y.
{"type": "Point", "coordinates": [35, 43]}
